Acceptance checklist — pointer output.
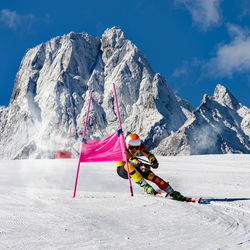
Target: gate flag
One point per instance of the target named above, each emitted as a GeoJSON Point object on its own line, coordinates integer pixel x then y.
{"type": "Point", "coordinates": [112, 148]}
{"type": "Point", "coordinates": [108, 149]}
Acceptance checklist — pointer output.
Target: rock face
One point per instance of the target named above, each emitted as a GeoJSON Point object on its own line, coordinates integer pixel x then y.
{"type": "Point", "coordinates": [186, 107]}
{"type": "Point", "coordinates": [52, 90]}
{"type": "Point", "coordinates": [219, 125]}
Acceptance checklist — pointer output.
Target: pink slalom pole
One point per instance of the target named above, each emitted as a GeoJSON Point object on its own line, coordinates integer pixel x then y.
{"type": "Point", "coordinates": [84, 132]}
{"type": "Point", "coordinates": [123, 146]}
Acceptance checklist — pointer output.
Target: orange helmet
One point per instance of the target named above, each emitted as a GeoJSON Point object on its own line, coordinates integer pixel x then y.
{"type": "Point", "coordinates": [133, 140]}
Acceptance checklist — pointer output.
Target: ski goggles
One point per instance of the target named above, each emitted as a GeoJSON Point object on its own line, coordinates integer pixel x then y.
{"type": "Point", "coordinates": [133, 147]}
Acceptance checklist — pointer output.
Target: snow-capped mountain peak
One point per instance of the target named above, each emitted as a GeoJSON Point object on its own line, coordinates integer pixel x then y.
{"type": "Point", "coordinates": [112, 39]}
{"type": "Point", "coordinates": [219, 125]}
{"type": "Point", "coordinates": [52, 90]}
{"type": "Point", "coordinates": [223, 96]}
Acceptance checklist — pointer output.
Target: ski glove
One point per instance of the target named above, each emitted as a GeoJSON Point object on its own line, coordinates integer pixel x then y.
{"type": "Point", "coordinates": [141, 166]}
{"type": "Point", "coordinates": [145, 167]}
{"type": "Point", "coordinates": [154, 162]}
{"type": "Point", "coordinates": [155, 165]}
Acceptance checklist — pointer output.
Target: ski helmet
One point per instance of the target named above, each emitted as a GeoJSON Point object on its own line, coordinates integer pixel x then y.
{"type": "Point", "coordinates": [133, 140]}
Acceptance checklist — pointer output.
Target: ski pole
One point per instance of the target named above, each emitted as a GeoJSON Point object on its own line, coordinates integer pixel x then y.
{"type": "Point", "coordinates": [143, 160]}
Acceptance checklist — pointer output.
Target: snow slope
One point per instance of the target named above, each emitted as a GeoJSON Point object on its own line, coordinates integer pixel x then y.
{"type": "Point", "coordinates": [38, 212]}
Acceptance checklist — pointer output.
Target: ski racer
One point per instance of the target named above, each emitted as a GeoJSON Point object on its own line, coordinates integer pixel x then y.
{"type": "Point", "coordinates": [140, 172]}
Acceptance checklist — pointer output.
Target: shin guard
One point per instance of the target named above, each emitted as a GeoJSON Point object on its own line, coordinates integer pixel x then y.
{"type": "Point", "coordinates": [160, 182]}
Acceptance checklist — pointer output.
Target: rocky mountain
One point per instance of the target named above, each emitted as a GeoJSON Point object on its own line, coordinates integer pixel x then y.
{"type": "Point", "coordinates": [219, 125]}
{"type": "Point", "coordinates": [186, 107]}
{"type": "Point", "coordinates": [51, 94]}
{"type": "Point", "coordinates": [52, 89]}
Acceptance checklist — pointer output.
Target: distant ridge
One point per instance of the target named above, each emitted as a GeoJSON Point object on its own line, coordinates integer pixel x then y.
{"type": "Point", "coordinates": [219, 125]}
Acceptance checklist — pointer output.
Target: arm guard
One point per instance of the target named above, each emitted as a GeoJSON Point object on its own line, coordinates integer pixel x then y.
{"type": "Point", "coordinates": [150, 156]}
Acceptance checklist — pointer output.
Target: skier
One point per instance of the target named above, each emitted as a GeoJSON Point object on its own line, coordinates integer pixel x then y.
{"type": "Point", "coordinates": [139, 171]}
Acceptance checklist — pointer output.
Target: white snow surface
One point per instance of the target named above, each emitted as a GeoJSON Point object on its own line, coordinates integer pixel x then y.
{"type": "Point", "coordinates": [38, 212]}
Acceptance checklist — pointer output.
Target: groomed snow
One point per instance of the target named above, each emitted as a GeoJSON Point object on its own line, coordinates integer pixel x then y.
{"type": "Point", "coordinates": [38, 212]}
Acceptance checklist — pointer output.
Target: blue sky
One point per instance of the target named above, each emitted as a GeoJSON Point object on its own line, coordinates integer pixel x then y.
{"type": "Point", "coordinates": [194, 44]}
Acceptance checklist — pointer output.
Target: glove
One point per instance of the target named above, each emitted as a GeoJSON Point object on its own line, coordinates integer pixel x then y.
{"type": "Point", "coordinates": [139, 165]}
{"type": "Point", "coordinates": [154, 163]}
{"type": "Point", "coordinates": [144, 168]}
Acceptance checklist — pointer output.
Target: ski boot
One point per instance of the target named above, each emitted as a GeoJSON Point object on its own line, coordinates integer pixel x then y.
{"type": "Point", "coordinates": [169, 189]}
{"type": "Point", "coordinates": [178, 196]}
{"type": "Point", "coordinates": [147, 188]}
{"type": "Point", "coordinates": [174, 194]}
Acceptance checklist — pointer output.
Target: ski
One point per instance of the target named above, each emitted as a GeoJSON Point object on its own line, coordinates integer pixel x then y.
{"type": "Point", "coordinates": [185, 199]}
